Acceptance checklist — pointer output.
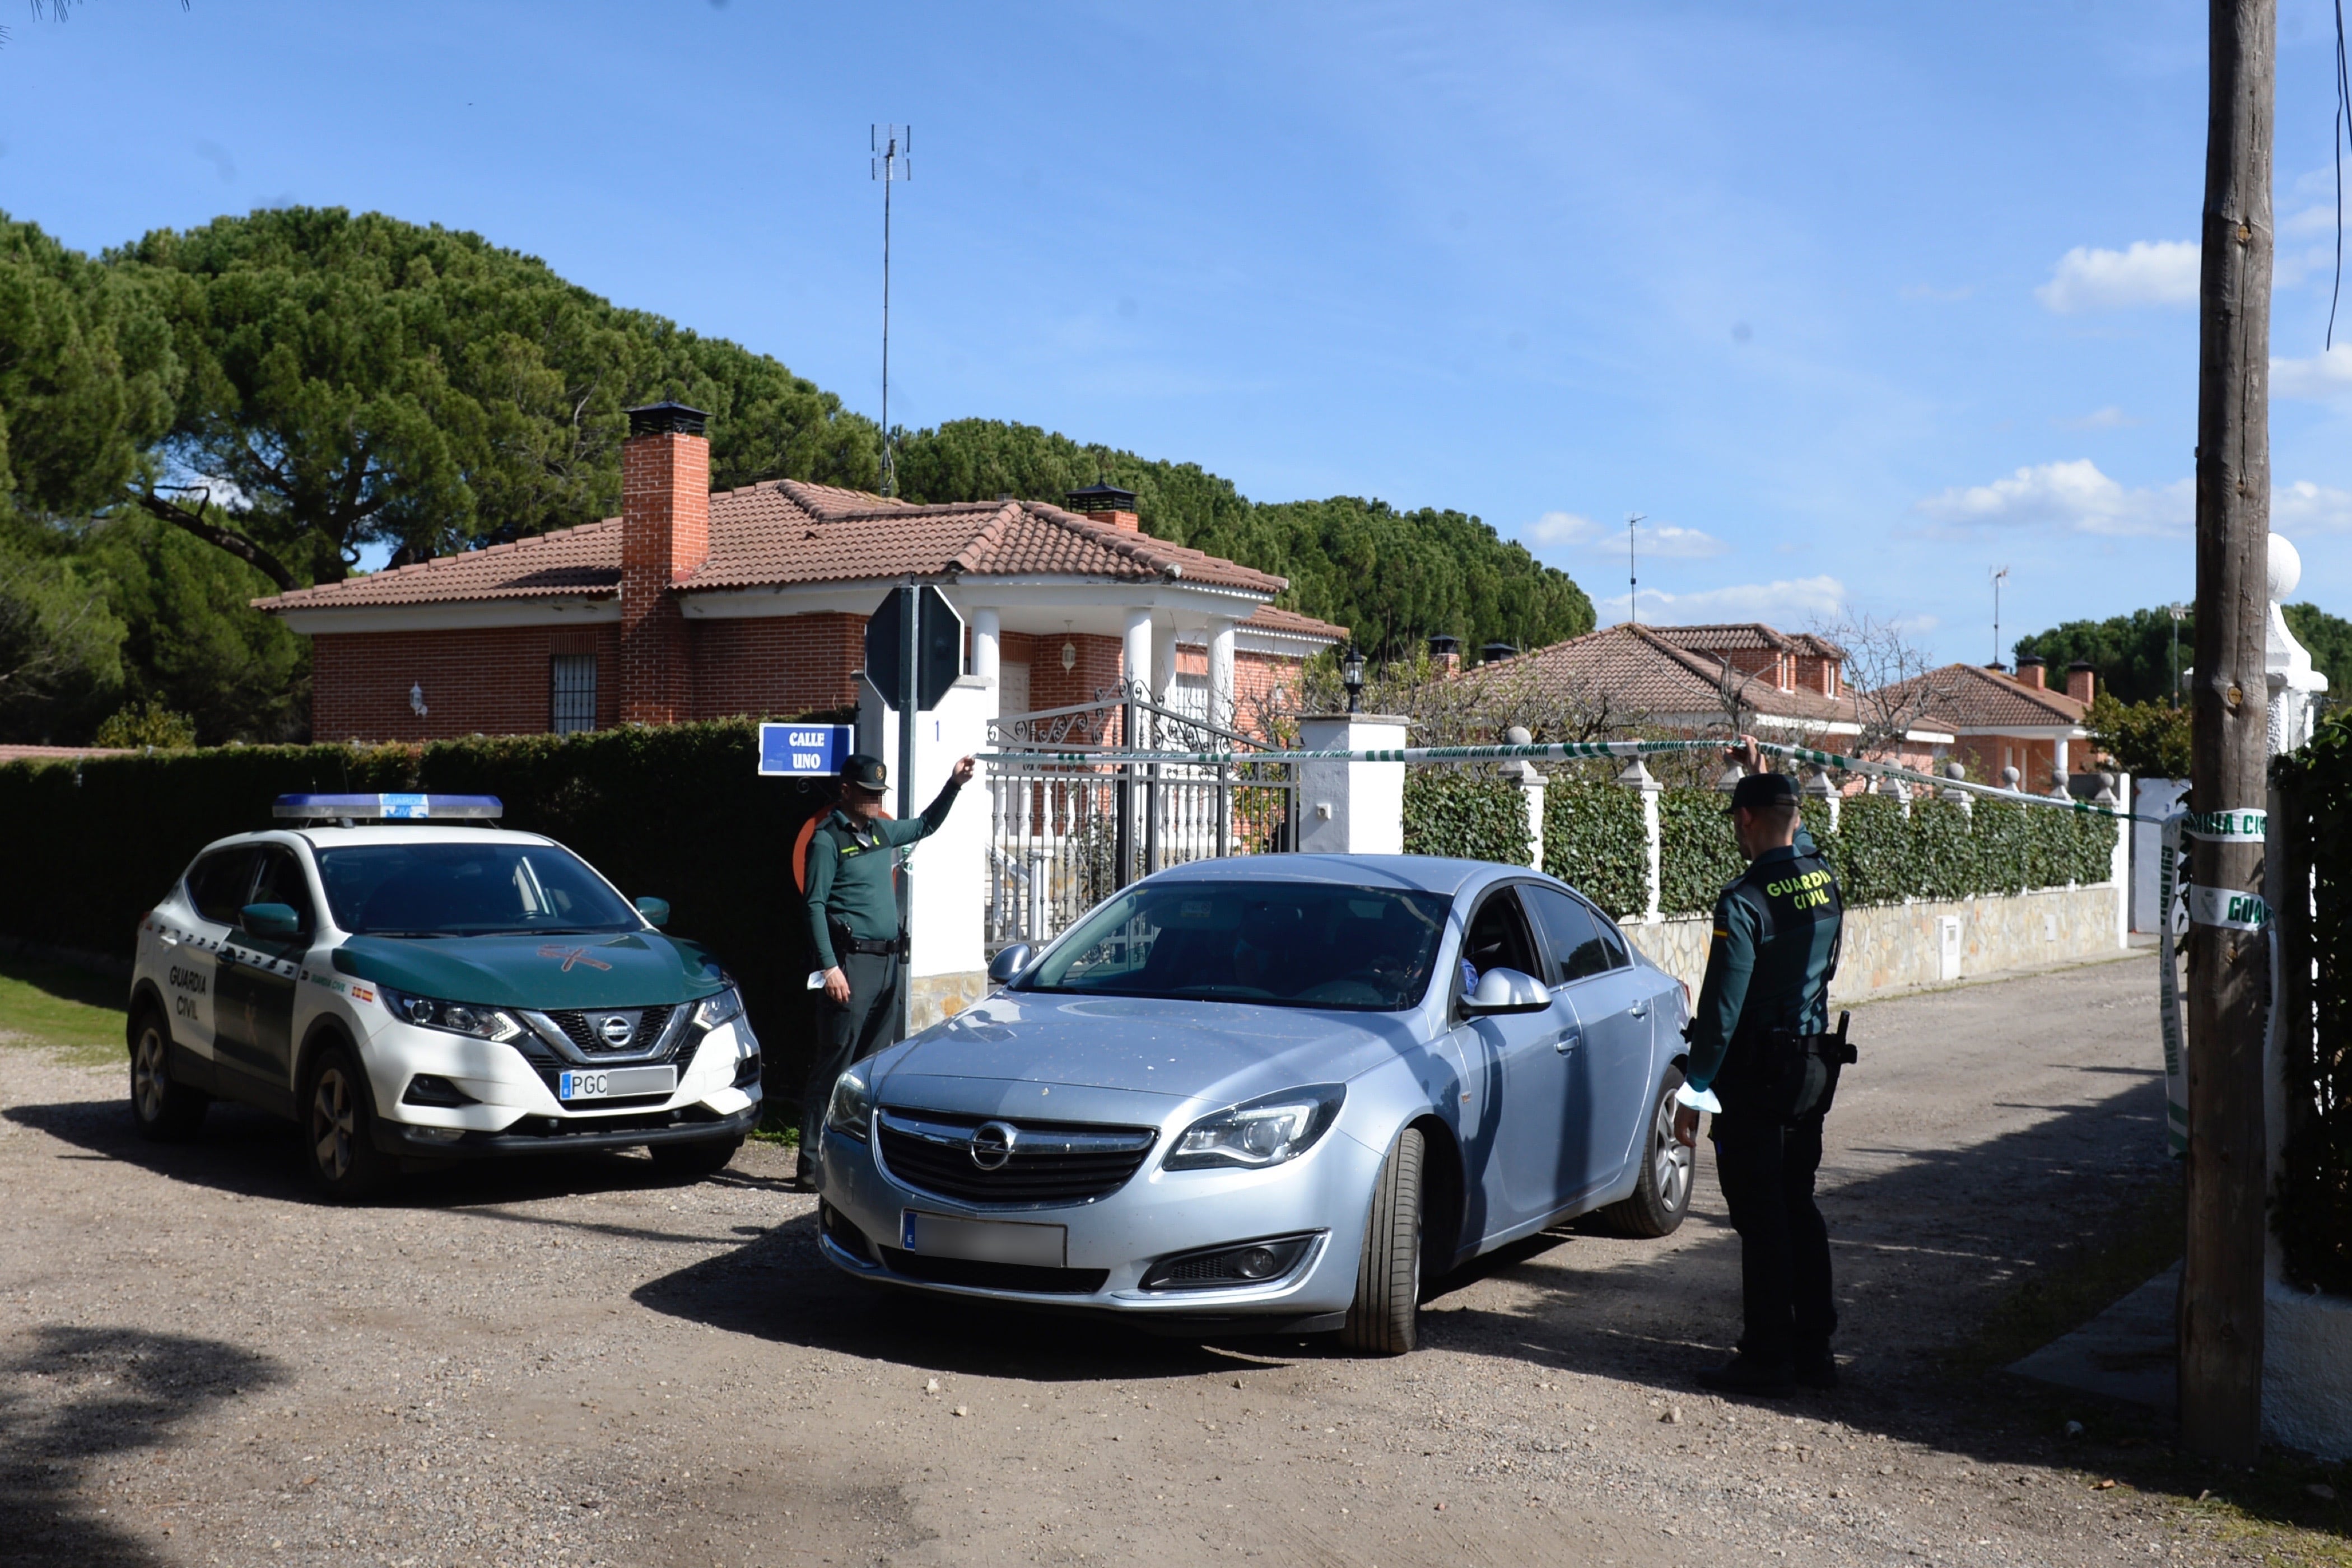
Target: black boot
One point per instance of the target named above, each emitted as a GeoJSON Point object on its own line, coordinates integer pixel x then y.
{"type": "Point", "coordinates": [1744, 1373]}
{"type": "Point", "coordinates": [1817, 1368]}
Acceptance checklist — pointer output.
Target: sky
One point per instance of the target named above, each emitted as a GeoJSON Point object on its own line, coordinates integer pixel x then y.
{"type": "Point", "coordinates": [1853, 303]}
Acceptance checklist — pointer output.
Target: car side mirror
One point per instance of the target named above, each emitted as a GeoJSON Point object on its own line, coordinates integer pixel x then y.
{"type": "Point", "coordinates": [1007, 966]}
{"type": "Point", "coordinates": [1506, 991]}
{"type": "Point", "coordinates": [655, 910]}
{"type": "Point", "coordinates": [270, 919]}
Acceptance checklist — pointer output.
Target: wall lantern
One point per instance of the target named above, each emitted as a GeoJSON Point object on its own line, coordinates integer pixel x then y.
{"type": "Point", "coordinates": [417, 699]}
{"type": "Point", "coordinates": [1069, 656]}
{"type": "Point", "coordinates": [1351, 675]}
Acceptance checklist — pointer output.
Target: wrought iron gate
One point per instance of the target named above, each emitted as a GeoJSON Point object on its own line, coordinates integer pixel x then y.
{"type": "Point", "coordinates": [1089, 815]}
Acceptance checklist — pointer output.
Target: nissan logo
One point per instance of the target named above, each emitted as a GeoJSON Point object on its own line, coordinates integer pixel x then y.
{"type": "Point", "coordinates": [616, 1029]}
{"type": "Point", "coordinates": [991, 1145]}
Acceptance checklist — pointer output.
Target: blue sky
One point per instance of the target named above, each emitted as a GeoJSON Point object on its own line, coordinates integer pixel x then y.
{"type": "Point", "coordinates": [1855, 302]}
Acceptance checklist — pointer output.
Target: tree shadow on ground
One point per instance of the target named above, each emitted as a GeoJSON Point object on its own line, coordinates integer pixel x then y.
{"type": "Point", "coordinates": [76, 1398]}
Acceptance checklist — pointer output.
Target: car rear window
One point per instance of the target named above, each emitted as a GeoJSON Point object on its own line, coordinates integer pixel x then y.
{"type": "Point", "coordinates": [467, 890]}
{"type": "Point", "coordinates": [1368, 949]}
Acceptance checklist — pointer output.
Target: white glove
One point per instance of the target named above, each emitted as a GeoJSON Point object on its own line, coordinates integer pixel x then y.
{"type": "Point", "coordinates": [1692, 1099]}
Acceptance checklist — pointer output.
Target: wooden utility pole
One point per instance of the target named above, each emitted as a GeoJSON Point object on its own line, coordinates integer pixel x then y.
{"type": "Point", "coordinates": [2222, 1281]}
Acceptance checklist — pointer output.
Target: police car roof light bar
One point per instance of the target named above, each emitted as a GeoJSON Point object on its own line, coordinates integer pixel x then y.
{"type": "Point", "coordinates": [390, 808]}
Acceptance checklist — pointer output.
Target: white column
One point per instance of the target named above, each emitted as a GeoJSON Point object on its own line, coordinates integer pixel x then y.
{"type": "Point", "coordinates": [2058, 758]}
{"type": "Point", "coordinates": [986, 631]}
{"type": "Point", "coordinates": [1352, 807]}
{"type": "Point", "coordinates": [1163, 659]}
{"type": "Point", "coordinates": [1222, 698]}
{"type": "Point", "coordinates": [1637, 776]}
{"type": "Point", "coordinates": [1135, 663]}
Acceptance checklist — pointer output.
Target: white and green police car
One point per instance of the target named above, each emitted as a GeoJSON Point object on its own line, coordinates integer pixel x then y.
{"type": "Point", "coordinates": [412, 983]}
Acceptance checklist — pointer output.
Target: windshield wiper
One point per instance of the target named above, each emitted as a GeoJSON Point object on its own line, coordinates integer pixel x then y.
{"type": "Point", "coordinates": [403, 934]}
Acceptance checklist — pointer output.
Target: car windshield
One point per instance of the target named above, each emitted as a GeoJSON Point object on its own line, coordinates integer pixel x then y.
{"type": "Point", "coordinates": [467, 890]}
{"type": "Point", "coordinates": [1290, 944]}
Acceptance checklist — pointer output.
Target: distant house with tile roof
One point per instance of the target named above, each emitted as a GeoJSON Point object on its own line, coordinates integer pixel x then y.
{"type": "Point", "coordinates": [2001, 720]}
{"type": "Point", "coordinates": [694, 605]}
{"type": "Point", "coordinates": [1787, 687]}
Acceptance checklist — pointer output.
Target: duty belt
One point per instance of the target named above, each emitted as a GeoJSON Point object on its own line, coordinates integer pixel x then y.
{"type": "Point", "coordinates": [879, 946]}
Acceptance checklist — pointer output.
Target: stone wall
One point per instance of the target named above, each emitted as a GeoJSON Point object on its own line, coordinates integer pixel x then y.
{"type": "Point", "coordinates": [1896, 946]}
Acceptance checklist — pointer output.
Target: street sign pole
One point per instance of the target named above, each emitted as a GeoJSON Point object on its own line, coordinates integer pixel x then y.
{"type": "Point", "coordinates": [910, 643]}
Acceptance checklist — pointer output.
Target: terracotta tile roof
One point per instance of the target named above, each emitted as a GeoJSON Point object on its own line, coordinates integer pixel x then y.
{"type": "Point", "coordinates": [1291, 624]}
{"type": "Point", "coordinates": [786, 532]}
{"type": "Point", "coordinates": [570, 561]}
{"type": "Point", "coordinates": [1640, 669]}
{"type": "Point", "coordinates": [1732, 636]}
{"type": "Point", "coordinates": [1973, 697]}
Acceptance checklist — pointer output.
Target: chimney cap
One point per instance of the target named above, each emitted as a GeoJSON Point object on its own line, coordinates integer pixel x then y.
{"type": "Point", "coordinates": [1100, 498]}
{"type": "Point", "coordinates": [667, 417]}
{"type": "Point", "coordinates": [2082, 664]}
{"type": "Point", "coordinates": [1441, 645]}
{"type": "Point", "coordinates": [1491, 652]}
{"type": "Point", "coordinates": [2026, 659]}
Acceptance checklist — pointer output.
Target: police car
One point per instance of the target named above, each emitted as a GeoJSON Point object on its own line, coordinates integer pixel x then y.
{"type": "Point", "coordinates": [412, 983]}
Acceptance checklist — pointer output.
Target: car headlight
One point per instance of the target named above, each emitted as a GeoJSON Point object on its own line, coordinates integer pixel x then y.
{"type": "Point", "coordinates": [456, 1017]}
{"type": "Point", "coordinates": [1268, 1131]}
{"type": "Point", "coordinates": [724, 1007]}
{"type": "Point", "coordinates": [851, 1107]}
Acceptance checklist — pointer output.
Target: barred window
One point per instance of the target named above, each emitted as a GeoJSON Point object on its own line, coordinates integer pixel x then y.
{"type": "Point", "coordinates": [575, 677]}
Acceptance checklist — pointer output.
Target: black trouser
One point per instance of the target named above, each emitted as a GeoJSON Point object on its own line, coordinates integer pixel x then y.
{"type": "Point", "coordinates": [1766, 1169]}
{"type": "Point", "coordinates": [848, 1032]}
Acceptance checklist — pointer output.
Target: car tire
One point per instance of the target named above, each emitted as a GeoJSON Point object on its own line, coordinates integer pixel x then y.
{"type": "Point", "coordinates": [1385, 1318]}
{"type": "Point", "coordinates": [339, 1128]}
{"type": "Point", "coordinates": [693, 1162]}
{"type": "Point", "coordinates": [165, 1112]}
{"type": "Point", "coordinates": [1662, 1194]}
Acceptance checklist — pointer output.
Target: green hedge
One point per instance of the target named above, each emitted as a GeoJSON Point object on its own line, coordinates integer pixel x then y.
{"type": "Point", "coordinates": [1469, 816]}
{"type": "Point", "coordinates": [1593, 843]}
{"type": "Point", "coordinates": [679, 812]}
{"type": "Point", "coordinates": [1696, 854]}
{"type": "Point", "coordinates": [2311, 1210]}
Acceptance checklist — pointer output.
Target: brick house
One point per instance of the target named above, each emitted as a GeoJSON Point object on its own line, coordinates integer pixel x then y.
{"type": "Point", "coordinates": [1790, 688]}
{"type": "Point", "coordinates": [2018, 721]}
{"type": "Point", "coordinates": [696, 605]}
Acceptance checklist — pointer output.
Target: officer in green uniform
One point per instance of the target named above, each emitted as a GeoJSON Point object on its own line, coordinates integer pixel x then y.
{"type": "Point", "coordinates": [853, 922]}
{"type": "Point", "coordinates": [1760, 1058]}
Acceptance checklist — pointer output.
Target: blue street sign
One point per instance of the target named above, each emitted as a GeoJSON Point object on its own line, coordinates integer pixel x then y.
{"type": "Point", "coordinates": [805, 750]}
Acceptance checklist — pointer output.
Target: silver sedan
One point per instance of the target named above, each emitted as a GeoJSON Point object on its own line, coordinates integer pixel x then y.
{"type": "Point", "coordinates": [1275, 1094]}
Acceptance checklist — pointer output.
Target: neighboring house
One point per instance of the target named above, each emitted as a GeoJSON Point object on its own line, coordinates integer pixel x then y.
{"type": "Point", "coordinates": [695, 605]}
{"type": "Point", "coordinates": [1687, 678]}
{"type": "Point", "coordinates": [2017, 721]}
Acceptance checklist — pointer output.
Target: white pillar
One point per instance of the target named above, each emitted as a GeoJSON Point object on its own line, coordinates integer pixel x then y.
{"type": "Point", "coordinates": [1222, 697]}
{"type": "Point", "coordinates": [1163, 659]}
{"type": "Point", "coordinates": [1352, 807]}
{"type": "Point", "coordinates": [1135, 663]}
{"type": "Point", "coordinates": [2120, 863]}
{"type": "Point", "coordinates": [1531, 792]}
{"type": "Point", "coordinates": [1637, 776]}
{"type": "Point", "coordinates": [2058, 758]}
{"type": "Point", "coordinates": [986, 630]}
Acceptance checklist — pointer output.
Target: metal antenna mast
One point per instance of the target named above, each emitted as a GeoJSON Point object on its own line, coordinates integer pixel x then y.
{"type": "Point", "coordinates": [1632, 582]}
{"type": "Point", "coordinates": [892, 145]}
{"type": "Point", "coordinates": [1998, 572]}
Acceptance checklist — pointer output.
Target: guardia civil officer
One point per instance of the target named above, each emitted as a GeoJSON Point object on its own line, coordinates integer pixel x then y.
{"type": "Point", "coordinates": [852, 918]}
{"type": "Point", "coordinates": [1761, 1059]}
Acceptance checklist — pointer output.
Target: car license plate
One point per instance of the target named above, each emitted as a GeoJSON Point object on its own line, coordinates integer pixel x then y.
{"type": "Point", "coordinates": [984, 1241]}
{"type": "Point", "coordinates": [611, 1083]}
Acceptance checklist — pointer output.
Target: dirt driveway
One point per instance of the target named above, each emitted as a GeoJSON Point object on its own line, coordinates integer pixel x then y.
{"type": "Point", "coordinates": [574, 1363]}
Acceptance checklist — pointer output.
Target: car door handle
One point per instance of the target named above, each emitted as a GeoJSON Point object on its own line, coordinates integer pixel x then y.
{"type": "Point", "coordinates": [1567, 1040]}
{"type": "Point", "coordinates": [1639, 1009]}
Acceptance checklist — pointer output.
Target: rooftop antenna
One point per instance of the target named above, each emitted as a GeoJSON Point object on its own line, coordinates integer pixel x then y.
{"type": "Point", "coordinates": [892, 145]}
{"type": "Point", "coordinates": [1998, 572]}
{"type": "Point", "coordinates": [1632, 582]}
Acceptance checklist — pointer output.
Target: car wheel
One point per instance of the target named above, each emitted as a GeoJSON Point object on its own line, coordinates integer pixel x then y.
{"type": "Point", "coordinates": [1385, 1319]}
{"type": "Point", "coordinates": [692, 1162]}
{"type": "Point", "coordinates": [1662, 1194]}
{"type": "Point", "coordinates": [165, 1112]}
{"type": "Point", "coordinates": [339, 1128]}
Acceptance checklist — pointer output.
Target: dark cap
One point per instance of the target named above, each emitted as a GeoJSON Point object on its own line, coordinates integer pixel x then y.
{"type": "Point", "coordinates": [865, 772]}
{"type": "Point", "coordinates": [1762, 790]}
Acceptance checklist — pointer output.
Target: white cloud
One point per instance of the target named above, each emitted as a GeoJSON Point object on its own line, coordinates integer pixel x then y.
{"type": "Point", "coordinates": [2304, 507]}
{"type": "Point", "coordinates": [1659, 542]}
{"type": "Point", "coordinates": [1785, 603]}
{"type": "Point", "coordinates": [2067, 494]}
{"type": "Point", "coordinates": [2323, 378]}
{"type": "Point", "coordinates": [2107, 418]}
{"type": "Point", "coordinates": [2150, 272]}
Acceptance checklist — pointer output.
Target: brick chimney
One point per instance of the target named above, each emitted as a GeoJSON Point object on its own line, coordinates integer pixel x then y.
{"type": "Point", "coordinates": [664, 537]}
{"type": "Point", "coordinates": [1445, 656]}
{"type": "Point", "coordinates": [2078, 681]}
{"type": "Point", "coordinates": [1103, 503]}
{"type": "Point", "coordinates": [2028, 670]}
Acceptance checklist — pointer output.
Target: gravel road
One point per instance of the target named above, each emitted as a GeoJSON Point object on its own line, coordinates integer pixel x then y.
{"type": "Point", "coordinates": [576, 1363]}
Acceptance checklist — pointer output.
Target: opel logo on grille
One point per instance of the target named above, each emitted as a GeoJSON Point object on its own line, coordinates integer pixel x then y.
{"type": "Point", "coordinates": [615, 1029]}
{"type": "Point", "coordinates": [991, 1145]}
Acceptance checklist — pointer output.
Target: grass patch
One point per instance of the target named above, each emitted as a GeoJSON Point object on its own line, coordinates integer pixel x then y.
{"type": "Point", "coordinates": [62, 1008]}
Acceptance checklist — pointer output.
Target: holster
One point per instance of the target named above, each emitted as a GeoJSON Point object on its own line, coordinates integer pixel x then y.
{"type": "Point", "coordinates": [1799, 1074]}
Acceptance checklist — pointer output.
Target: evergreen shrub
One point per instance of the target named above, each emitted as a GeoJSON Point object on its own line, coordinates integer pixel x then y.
{"type": "Point", "coordinates": [1468, 816]}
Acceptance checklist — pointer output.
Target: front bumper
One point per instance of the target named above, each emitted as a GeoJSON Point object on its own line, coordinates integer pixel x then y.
{"type": "Point", "coordinates": [1112, 1241]}
{"type": "Point", "coordinates": [513, 1110]}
